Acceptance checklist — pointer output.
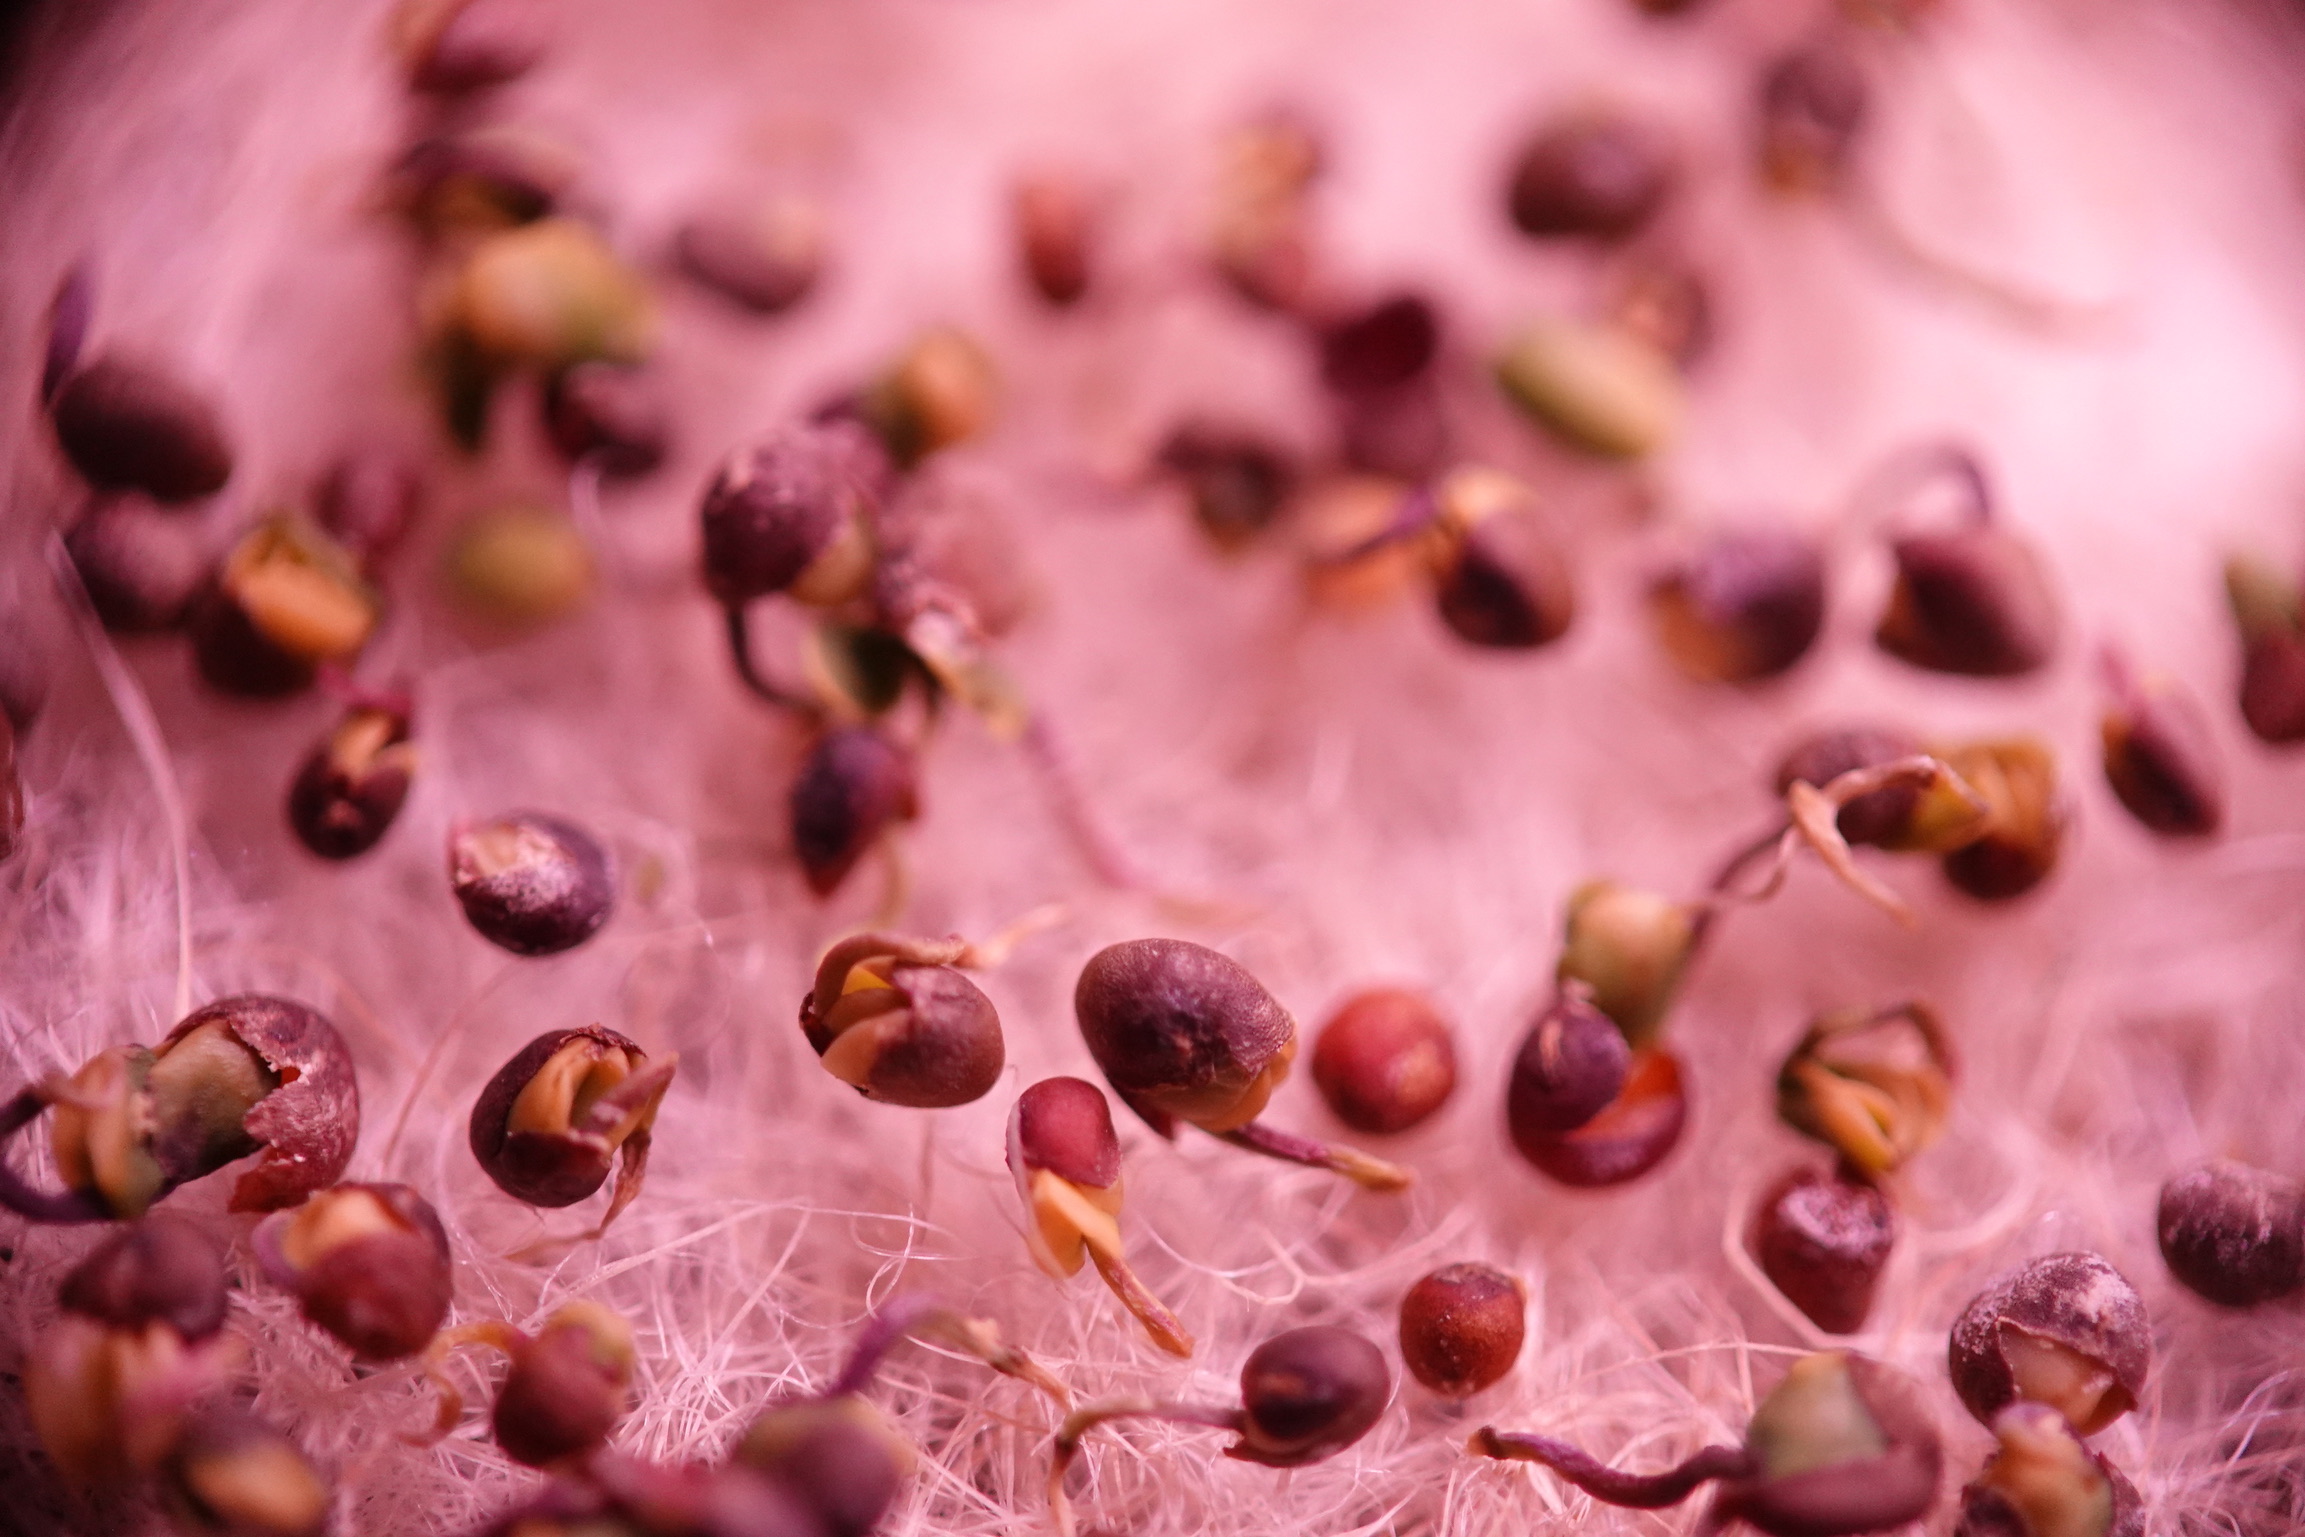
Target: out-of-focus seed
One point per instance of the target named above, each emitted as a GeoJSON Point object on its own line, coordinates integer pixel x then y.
{"type": "Point", "coordinates": [2025, 826]}
{"type": "Point", "coordinates": [1600, 175]}
{"type": "Point", "coordinates": [160, 1269]}
{"type": "Point", "coordinates": [368, 1263]}
{"type": "Point", "coordinates": [70, 313]}
{"type": "Point", "coordinates": [132, 425]}
{"type": "Point", "coordinates": [1387, 345]}
{"type": "Point", "coordinates": [852, 788]}
{"type": "Point", "coordinates": [232, 1475]}
{"type": "Point", "coordinates": [611, 414]}
{"type": "Point", "coordinates": [1237, 481]}
{"type": "Point", "coordinates": [567, 1388]}
{"type": "Point", "coordinates": [1630, 948]}
{"type": "Point", "coordinates": [141, 566]}
{"type": "Point", "coordinates": [794, 513]}
{"type": "Point", "coordinates": [1881, 818]}
{"type": "Point", "coordinates": [1384, 1062]}
{"type": "Point", "coordinates": [1261, 237]}
{"type": "Point", "coordinates": [1501, 579]}
{"type": "Point", "coordinates": [1747, 605]}
{"type": "Point", "coordinates": [2234, 1234]}
{"type": "Point", "coordinates": [1973, 602]}
{"type": "Point", "coordinates": [1812, 107]}
{"type": "Point", "coordinates": [2066, 1330]}
{"type": "Point", "coordinates": [456, 47]}
{"type": "Point", "coordinates": [2042, 1482]}
{"type": "Point", "coordinates": [285, 602]}
{"type": "Point", "coordinates": [2160, 759]}
{"type": "Point", "coordinates": [1462, 1327]}
{"type": "Point", "coordinates": [484, 177]}
{"type": "Point", "coordinates": [1570, 1068]}
{"type": "Point", "coordinates": [354, 783]}
{"type": "Point", "coordinates": [367, 503]}
{"type": "Point", "coordinates": [1597, 387]}
{"type": "Point", "coordinates": [519, 568]}
{"type": "Point", "coordinates": [939, 392]}
{"type": "Point", "coordinates": [2265, 605]}
{"type": "Point", "coordinates": [1823, 1239]}
{"type": "Point", "coordinates": [548, 295]}
{"type": "Point", "coordinates": [1055, 224]}
{"type": "Point", "coordinates": [532, 883]}
{"type": "Point", "coordinates": [763, 257]}
{"type": "Point", "coordinates": [839, 1454]}
{"type": "Point", "coordinates": [1667, 305]}
{"type": "Point", "coordinates": [1183, 1033]}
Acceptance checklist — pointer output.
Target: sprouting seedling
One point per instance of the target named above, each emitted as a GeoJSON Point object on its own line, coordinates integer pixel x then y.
{"type": "Point", "coordinates": [247, 1074]}
{"type": "Point", "coordinates": [892, 1016]}
{"type": "Point", "coordinates": [1066, 1160]}
{"type": "Point", "coordinates": [1745, 605]}
{"type": "Point", "coordinates": [2024, 830]}
{"type": "Point", "coordinates": [1875, 1107]}
{"type": "Point", "coordinates": [855, 785]}
{"type": "Point", "coordinates": [2043, 1482]}
{"type": "Point", "coordinates": [1306, 1394]}
{"type": "Point", "coordinates": [113, 1383]}
{"type": "Point", "coordinates": [569, 1104]}
{"type": "Point", "coordinates": [567, 1386]}
{"type": "Point", "coordinates": [1184, 1034]}
{"type": "Point", "coordinates": [1843, 1445]}
{"type": "Point", "coordinates": [2066, 1330]}
{"type": "Point", "coordinates": [368, 1263]}
{"type": "Point", "coordinates": [1945, 815]}
{"type": "Point", "coordinates": [234, 1475]}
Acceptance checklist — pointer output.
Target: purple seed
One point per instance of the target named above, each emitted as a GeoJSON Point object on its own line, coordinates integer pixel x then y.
{"type": "Point", "coordinates": [611, 414]}
{"type": "Point", "coordinates": [350, 789]}
{"type": "Point", "coordinates": [130, 425]}
{"type": "Point", "coordinates": [1601, 177]}
{"type": "Point", "coordinates": [2234, 1234]}
{"type": "Point", "coordinates": [1063, 1125]}
{"type": "Point", "coordinates": [1462, 1327]}
{"type": "Point", "coordinates": [1824, 1239]}
{"type": "Point", "coordinates": [2067, 1330]}
{"type": "Point", "coordinates": [1182, 1032]}
{"type": "Point", "coordinates": [1307, 1394]}
{"type": "Point", "coordinates": [853, 787]}
{"type": "Point", "coordinates": [1570, 1068]}
{"type": "Point", "coordinates": [531, 882]}
{"type": "Point", "coordinates": [1746, 606]}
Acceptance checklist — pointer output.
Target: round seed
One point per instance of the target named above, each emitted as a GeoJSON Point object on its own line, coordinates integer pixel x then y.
{"type": "Point", "coordinates": [1462, 1327]}
{"type": "Point", "coordinates": [1384, 1061]}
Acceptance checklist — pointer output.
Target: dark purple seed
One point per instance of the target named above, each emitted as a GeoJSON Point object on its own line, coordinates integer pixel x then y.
{"type": "Point", "coordinates": [233, 1475]}
{"type": "Point", "coordinates": [1238, 482]}
{"type": "Point", "coordinates": [532, 883]}
{"type": "Point", "coordinates": [1824, 1239]}
{"type": "Point", "coordinates": [368, 502]}
{"type": "Point", "coordinates": [1877, 818]}
{"type": "Point", "coordinates": [838, 1454]}
{"type": "Point", "coordinates": [2162, 762]}
{"type": "Point", "coordinates": [1570, 1068]}
{"type": "Point", "coordinates": [853, 787]}
{"type": "Point", "coordinates": [780, 510]}
{"type": "Point", "coordinates": [1974, 603]}
{"type": "Point", "coordinates": [1055, 233]}
{"type": "Point", "coordinates": [529, 1128]}
{"type": "Point", "coordinates": [763, 259]}
{"type": "Point", "coordinates": [1745, 606]}
{"type": "Point", "coordinates": [1308, 1394]}
{"type": "Point", "coordinates": [1388, 345]}
{"type": "Point", "coordinates": [11, 791]}
{"type": "Point", "coordinates": [1462, 1327]}
{"type": "Point", "coordinates": [1182, 1032]}
{"type": "Point", "coordinates": [1506, 585]}
{"type": "Point", "coordinates": [1626, 1139]}
{"type": "Point", "coordinates": [69, 316]}
{"type": "Point", "coordinates": [567, 1387]}
{"type": "Point", "coordinates": [456, 47]}
{"type": "Point", "coordinates": [367, 1262]}
{"type": "Point", "coordinates": [140, 566]}
{"type": "Point", "coordinates": [1602, 177]}
{"type": "Point", "coordinates": [135, 426]}
{"type": "Point", "coordinates": [349, 790]}
{"type": "Point", "coordinates": [2273, 686]}
{"type": "Point", "coordinates": [2234, 1234]}
{"type": "Point", "coordinates": [2067, 1330]}
{"type": "Point", "coordinates": [611, 414]}
{"type": "Point", "coordinates": [161, 1269]}
{"type": "Point", "coordinates": [1813, 102]}
{"type": "Point", "coordinates": [1384, 1062]}
{"type": "Point", "coordinates": [1063, 1125]}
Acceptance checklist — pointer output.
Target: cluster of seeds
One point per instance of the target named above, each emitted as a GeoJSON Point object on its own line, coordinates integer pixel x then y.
{"type": "Point", "coordinates": [825, 521]}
